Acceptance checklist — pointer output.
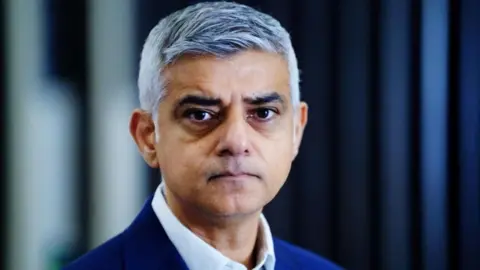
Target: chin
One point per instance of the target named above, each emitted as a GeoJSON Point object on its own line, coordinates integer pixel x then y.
{"type": "Point", "coordinates": [235, 206]}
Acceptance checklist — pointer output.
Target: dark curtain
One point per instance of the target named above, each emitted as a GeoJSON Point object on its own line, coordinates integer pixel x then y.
{"type": "Point", "coordinates": [388, 172]}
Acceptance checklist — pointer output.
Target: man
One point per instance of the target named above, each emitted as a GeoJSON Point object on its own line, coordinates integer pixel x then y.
{"type": "Point", "coordinates": [221, 118]}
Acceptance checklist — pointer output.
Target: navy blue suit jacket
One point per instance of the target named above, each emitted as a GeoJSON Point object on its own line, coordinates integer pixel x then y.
{"type": "Point", "coordinates": [144, 245]}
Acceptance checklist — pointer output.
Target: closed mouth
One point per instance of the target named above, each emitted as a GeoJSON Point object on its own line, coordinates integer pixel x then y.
{"type": "Point", "coordinates": [232, 175]}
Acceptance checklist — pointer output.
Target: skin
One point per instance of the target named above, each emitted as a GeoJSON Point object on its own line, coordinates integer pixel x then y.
{"type": "Point", "coordinates": [227, 135]}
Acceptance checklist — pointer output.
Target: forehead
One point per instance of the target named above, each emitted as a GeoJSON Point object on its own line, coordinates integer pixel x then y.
{"type": "Point", "coordinates": [243, 74]}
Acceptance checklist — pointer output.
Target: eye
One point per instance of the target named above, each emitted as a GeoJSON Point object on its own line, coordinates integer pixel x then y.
{"type": "Point", "coordinates": [263, 114]}
{"type": "Point", "coordinates": [198, 115]}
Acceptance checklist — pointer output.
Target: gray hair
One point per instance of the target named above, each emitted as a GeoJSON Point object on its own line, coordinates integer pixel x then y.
{"type": "Point", "coordinates": [214, 28]}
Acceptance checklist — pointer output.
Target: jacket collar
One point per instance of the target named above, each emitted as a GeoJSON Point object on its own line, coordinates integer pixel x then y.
{"type": "Point", "coordinates": [147, 246]}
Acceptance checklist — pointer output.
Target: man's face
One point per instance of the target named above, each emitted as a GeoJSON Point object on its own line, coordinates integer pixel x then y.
{"type": "Point", "coordinates": [226, 131]}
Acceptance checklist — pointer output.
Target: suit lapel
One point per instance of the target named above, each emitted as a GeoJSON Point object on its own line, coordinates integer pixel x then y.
{"type": "Point", "coordinates": [283, 257]}
{"type": "Point", "coordinates": [147, 246]}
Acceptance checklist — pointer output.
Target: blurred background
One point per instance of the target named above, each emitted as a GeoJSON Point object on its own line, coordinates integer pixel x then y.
{"type": "Point", "coordinates": [388, 175]}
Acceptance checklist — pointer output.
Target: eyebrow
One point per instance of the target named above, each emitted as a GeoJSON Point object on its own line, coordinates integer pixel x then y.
{"type": "Point", "coordinates": [264, 99]}
{"type": "Point", "coordinates": [199, 100]}
{"type": "Point", "coordinates": [210, 101]}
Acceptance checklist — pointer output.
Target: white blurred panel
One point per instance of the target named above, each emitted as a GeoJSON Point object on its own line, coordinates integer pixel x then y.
{"type": "Point", "coordinates": [119, 183]}
{"type": "Point", "coordinates": [51, 159]}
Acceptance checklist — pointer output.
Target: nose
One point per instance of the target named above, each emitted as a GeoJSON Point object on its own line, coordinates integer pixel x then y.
{"type": "Point", "coordinates": [234, 139]}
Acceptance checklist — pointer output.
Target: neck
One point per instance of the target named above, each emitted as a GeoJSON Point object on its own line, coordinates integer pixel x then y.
{"type": "Point", "coordinates": [235, 237]}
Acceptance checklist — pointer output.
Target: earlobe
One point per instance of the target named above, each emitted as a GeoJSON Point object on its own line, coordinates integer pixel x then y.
{"type": "Point", "coordinates": [150, 157]}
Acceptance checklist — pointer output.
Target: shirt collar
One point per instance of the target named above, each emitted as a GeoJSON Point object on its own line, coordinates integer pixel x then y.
{"type": "Point", "coordinates": [198, 254]}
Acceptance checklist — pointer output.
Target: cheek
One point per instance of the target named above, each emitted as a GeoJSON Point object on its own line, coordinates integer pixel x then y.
{"type": "Point", "coordinates": [282, 141]}
{"type": "Point", "coordinates": [179, 161]}
{"type": "Point", "coordinates": [278, 155]}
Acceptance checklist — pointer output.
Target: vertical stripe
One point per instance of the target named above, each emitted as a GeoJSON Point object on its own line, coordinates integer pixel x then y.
{"type": "Point", "coordinates": [24, 61]}
{"type": "Point", "coordinates": [312, 186]}
{"type": "Point", "coordinates": [394, 133]}
{"type": "Point", "coordinates": [354, 134]}
{"type": "Point", "coordinates": [433, 131]}
{"type": "Point", "coordinates": [470, 135]}
{"type": "Point", "coordinates": [118, 184]}
{"type": "Point", "coordinates": [4, 185]}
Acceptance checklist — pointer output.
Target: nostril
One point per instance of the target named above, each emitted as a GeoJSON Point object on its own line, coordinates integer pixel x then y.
{"type": "Point", "coordinates": [231, 151]}
{"type": "Point", "coordinates": [225, 153]}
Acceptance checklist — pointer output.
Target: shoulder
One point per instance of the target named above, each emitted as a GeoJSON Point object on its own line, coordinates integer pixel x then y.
{"type": "Point", "coordinates": [106, 256]}
{"type": "Point", "coordinates": [300, 258]}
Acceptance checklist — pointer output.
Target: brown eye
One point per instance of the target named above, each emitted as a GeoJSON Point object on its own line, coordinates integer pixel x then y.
{"type": "Point", "coordinates": [198, 115]}
{"type": "Point", "coordinates": [263, 114]}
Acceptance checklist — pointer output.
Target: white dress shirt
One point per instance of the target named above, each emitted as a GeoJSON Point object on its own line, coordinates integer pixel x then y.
{"type": "Point", "coordinates": [198, 254]}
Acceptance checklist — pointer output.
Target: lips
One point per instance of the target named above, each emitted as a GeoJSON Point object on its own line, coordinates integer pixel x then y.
{"type": "Point", "coordinates": [232, 175]}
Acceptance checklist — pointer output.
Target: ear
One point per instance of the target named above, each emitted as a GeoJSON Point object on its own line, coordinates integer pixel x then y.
{"type": "Point", "coordinates": [142, 129]}
{"type": "Point", "coordinates": [301, 119]}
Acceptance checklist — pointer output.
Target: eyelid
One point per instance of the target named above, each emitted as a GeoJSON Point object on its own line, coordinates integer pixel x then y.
{"type": "Point", "coordinates": [187, 115]}
{"type": "Point", "coordinates": [252, 114]}
{"type": "Point", "coordinates": [216, 115]}
{"type": "Point", "coordinates": [270, 108]}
